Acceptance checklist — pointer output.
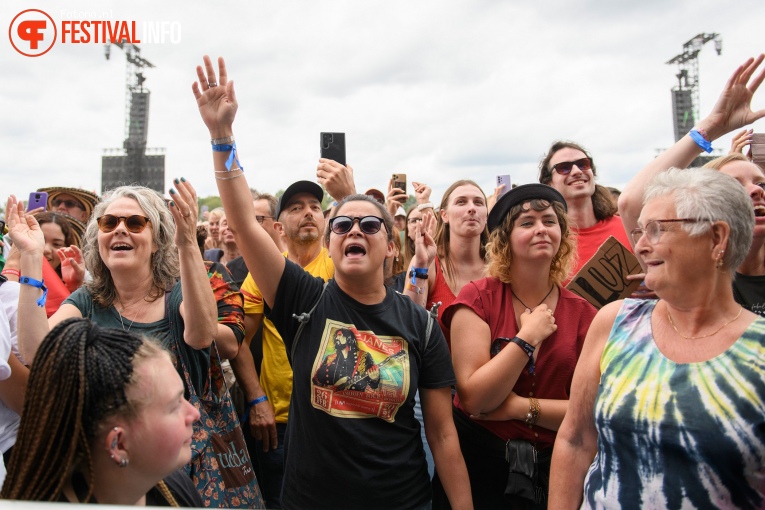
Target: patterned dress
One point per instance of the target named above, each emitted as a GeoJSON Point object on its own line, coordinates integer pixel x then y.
{"type": "Point", "coordinates": [674, 435]}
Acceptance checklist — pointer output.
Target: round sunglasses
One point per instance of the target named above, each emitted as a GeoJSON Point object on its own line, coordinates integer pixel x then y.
{"type": "Point", "coordinates": [368, 224]}
{"type": "Point", "coordinates": [135, 223]}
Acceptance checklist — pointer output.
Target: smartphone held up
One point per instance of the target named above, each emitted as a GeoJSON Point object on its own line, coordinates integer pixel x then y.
{"type": "Point", "coordinates": [332, 146]}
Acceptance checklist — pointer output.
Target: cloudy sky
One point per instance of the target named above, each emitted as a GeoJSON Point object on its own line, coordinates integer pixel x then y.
{"type": "Point", "coordinates": [439, 90]}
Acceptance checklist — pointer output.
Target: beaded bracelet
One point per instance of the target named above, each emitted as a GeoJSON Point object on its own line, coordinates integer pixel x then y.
{"type": "Point", "coordinates": [532, 417]}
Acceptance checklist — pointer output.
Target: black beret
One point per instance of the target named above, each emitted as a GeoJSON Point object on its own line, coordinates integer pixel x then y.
{"type": "Point", "coordinates": [519, 195]}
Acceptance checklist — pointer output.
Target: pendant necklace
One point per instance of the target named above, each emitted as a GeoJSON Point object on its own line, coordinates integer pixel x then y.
{"type": "Point", "coordinates": [136, 315]}
{"type": "Point", "coordinates": [527, 306]}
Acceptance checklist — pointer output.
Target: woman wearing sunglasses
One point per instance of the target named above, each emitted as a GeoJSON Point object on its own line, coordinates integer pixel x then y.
{"type": "Point", "coordinates": [569, 168]}
{"type": "Point", "coordinates": [516, 337]}
{"type": "Point", "coordinates": [139, 250]}
{"type": "Point", "coordinates": [359, 351]}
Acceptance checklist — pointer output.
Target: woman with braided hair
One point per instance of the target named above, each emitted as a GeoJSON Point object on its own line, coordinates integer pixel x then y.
{"type": "Point", "coordinates": [148, 277]}
{"type": "Point", "coordinates": [105, 421]}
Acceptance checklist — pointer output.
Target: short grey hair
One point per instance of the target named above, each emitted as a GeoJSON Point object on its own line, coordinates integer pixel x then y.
{"type": "Point", "coordinates": [705, 194]}
{"type": "Point", "coordinates": [164, 262]}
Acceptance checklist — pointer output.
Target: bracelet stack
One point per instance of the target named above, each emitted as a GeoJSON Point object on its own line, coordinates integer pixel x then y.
{"type": "Point", "coordinates": [225, 145]}
{"type": "Point", "coordinates": [701, 138]}
{"type": "Point", "coordinates": [532, 417]}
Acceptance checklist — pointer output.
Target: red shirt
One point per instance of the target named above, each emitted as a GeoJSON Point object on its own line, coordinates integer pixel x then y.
{"type": "Point", "coordinates": [589, 239]}
{"type": "Point", "coordinates": [492, 301]}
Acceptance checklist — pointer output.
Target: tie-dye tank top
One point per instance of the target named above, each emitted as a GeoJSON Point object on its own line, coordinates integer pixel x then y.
{"type": "Point", "coordinates": [672, 435]}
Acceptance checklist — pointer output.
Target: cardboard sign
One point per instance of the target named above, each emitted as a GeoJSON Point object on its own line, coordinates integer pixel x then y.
{"type": "Point", "coordinates": [604, 278]}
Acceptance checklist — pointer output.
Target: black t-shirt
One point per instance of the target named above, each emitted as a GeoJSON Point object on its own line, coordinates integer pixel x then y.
{"type": "Point", "coordinates": [353, 440]}
{"type": "Point", "coordinates": [749, 291]}
{"type": "Point", "coordinates": [182, 489]}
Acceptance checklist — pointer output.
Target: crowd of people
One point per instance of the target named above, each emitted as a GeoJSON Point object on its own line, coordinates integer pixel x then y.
{"type": "Point", "coordinates": [281, 353]}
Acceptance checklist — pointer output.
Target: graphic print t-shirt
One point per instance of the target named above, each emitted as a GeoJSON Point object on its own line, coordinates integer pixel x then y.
{"type": "Point", "coordinates": [354, 441]}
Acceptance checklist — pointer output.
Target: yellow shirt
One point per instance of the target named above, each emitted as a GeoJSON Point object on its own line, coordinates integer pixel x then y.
{"type": "Point", "coordinates": [276, 372]}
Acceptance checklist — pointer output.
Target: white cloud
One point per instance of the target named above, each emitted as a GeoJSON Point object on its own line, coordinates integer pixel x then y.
{"type": "Point", "coordinates": [438, 90]}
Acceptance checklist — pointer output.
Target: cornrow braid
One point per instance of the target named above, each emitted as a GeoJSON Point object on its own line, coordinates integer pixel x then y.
{"type": "Point", "coordinates": [78, 379]}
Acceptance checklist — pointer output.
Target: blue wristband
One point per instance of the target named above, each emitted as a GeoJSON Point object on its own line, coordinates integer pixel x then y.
{"type": "Point", "coordinates": [418, 272]}
{"type": "Point", "coordinates": [224, 147]}
{"type": "Point", "coordinates": [700, 140]}
{"type": "Point", "coordinates": [252, 403]}
{"type": "Point", "coordinates": [25, 280]}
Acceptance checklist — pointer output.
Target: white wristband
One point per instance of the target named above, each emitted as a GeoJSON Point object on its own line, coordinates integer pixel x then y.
{"type": "Point", "coordinates": [422, 207]}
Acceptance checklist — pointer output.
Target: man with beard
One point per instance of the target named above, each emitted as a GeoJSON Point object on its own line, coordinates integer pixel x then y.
{"type": "Point", "coordinates": [300, 219]}
{"type": "Point", "coordinates": [349, 367]}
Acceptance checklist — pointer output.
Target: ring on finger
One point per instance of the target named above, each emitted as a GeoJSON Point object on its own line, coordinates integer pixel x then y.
{"type": "Point", "coordinates": [212, 84]}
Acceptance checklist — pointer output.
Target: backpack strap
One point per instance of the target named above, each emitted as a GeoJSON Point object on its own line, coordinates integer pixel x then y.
{"type": "Point", "coordinates": [303, 319]}
{"type": "Point", "coordinates": [432, 316]}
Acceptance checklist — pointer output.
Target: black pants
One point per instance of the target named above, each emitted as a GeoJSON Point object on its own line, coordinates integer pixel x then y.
{"type": "Point", "coordinates": [488, 470]}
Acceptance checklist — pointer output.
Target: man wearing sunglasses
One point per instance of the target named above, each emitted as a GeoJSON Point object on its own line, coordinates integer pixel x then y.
{"type": "Point", "coordinates": [569, 168]}
{"type": "Point", "coordinates": [300, 220]}
{"type": "Point", "coordinates": [75, 202]}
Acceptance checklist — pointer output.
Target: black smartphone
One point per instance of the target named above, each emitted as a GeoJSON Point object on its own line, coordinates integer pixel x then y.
{"type": "Point", "coordinates": [333, 146]}
{"type": "Point", "coordinates": [37, 199]}
{"type": "Point", "coordinates": [399, 181]}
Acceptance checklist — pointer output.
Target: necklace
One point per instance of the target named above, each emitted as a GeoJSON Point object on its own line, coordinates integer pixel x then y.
{"type": "Point", "coordinates": [702, 336]}
{"type": "Point", "coordinates": [527, 306]}
{"type": "Point", "coordinates": [136, 315]}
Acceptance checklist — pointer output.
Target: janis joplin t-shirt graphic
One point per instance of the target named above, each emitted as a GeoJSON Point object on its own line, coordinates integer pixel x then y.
{"type": "Point", "coordinates": [358, 374]}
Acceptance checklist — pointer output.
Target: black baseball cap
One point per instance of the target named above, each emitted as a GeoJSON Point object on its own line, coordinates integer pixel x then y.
{"type": "Point", "coordinates": [296, 188]}
{"type": "Point", "coordinates": [520, 195]}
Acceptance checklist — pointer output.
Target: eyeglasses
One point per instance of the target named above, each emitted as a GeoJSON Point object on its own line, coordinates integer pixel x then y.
{"type": "Point", "coordinates": [343, 224]}
{"type": "Point", "coordinates": [412, 221]}
{"type": "Point", "coordinates": [69, 204]}
{"type": "Point", "coordinates": [565, 167]}
{"type": "Point", "coordinates": [654, 229]}
{"type": "Point", "coordinates": [135, 223]}
{"type": "Point", "coordinates": [261, 219]}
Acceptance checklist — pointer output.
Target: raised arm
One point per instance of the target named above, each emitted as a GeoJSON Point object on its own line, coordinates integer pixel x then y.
{"type": "Point", "coordinates": [217, 106]}
{"type": "Point", "coordinates": [198, 308]}
{"type": "Point", "coordinates": [424, 257]}
{"type": "Point", "coordinates": [33, 324]}
{"type": "Point", "coordinates": [576, 442]}
{"type": "Point", "coordinates": [732, 111]}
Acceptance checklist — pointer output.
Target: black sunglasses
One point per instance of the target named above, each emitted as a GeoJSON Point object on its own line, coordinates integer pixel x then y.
{"type": "Point", "coordinates": [69, 204]}
{"type": "Point", "coordinates": [135, 223]}
{"type": "Point", "coordinates": [565, 167]}
{"type": "Point", "coordinates": [343, 224]}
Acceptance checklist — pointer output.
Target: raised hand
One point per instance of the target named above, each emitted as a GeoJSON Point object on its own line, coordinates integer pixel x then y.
{"type": "Point", "coordinates": [184, 210]}
{"type": "Point", "coordinates": [336, 178]}
{"type": "Point", "coordinates": [741, 141]}
{"type": "Point", "coordinates": [23, 228]}
{"type": "Point", "coordinates": [216, 99]}
{"type": "Point", "coordinates": [72, 267]}
{"type": "Point", "coordinates": [424, 245]}
{"type": "Point", "coordinates": [421, 192]}
{"type": "Point", "coordinates": [733, 108]}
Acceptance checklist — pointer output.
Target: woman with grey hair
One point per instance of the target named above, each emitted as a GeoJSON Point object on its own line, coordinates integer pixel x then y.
{"type": "Point", "coordinates": [668, 396]}
{"type": "Point", "coordinates": [148, 277]}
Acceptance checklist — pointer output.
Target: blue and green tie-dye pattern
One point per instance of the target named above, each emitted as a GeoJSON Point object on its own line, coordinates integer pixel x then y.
{"type": "Point", "coordinates": [672, 435]}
